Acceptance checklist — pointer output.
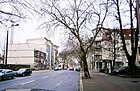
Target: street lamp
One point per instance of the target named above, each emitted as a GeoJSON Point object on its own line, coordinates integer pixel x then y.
{"type": "Point", "coordinates": [7, 43]}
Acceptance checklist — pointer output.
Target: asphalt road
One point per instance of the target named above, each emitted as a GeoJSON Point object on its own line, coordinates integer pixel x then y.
{"type": "Point", "coordinates": [63, 80]}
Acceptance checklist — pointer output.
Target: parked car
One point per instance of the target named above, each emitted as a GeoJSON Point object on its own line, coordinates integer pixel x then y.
{"type": "Point", "coordinates": [104, 70]}
{"type": "Point", "coordinates": [126, 70]}
{"type": "Point", "coordinates": [77, 68]}
{"type": "Point", "coordinates": [71, 68]}
{"type": "Point", "coordinates": [122, 70]}
{"type": "Point", "coordinates": [6, 74]}
{"type": "Point", "coordinates": [65, 68]}
{"type": "Point", "coordinates": [23, 72]}
{"type": "Point", "coordinates": [57, 68]}
{"type": "Point", "coordinates": [138, 70]}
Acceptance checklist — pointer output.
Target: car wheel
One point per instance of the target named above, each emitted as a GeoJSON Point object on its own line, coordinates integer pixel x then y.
{"type": "Point", "coordinates": [12, 77]}
{"type": "Point", "coordinates": [23, 74]}
{"type": "Point", "coordinates": [0, 78]}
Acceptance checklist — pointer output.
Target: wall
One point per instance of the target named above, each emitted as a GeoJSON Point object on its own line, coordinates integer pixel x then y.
{"type": "Point", "coordinates": [20, 54]}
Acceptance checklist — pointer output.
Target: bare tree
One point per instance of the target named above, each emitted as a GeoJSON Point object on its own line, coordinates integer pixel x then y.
{"type": "Point", "coordinates": [78, 18]}
{"type": "Point", "coordinates": [71, 51]}
{"type": "Point", "coordinates": [68, 54]}
{"type": "Point", "coordinates": [131, 16]}
{"type": "Point", "coordinates": [11, 10]}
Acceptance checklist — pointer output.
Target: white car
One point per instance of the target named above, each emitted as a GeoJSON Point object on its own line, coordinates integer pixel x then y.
{"type": "Point", "coordinates": [57, 68]}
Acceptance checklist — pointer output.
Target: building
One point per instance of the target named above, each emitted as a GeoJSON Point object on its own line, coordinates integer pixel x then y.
{"type": "Point", "coordinates": [55, 54]}
{"type": "Point", "coordinates": [107, 46]}
{"type": "Point", "coordinates": [39, 53]}
{"type": "Point", "coordinates": [1, 59]}
{"type": "Point", "coordinates": [98, 54]}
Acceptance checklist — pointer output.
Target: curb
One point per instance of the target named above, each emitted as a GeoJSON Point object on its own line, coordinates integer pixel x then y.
{"type": "Point", "coordinates": [81, 83]}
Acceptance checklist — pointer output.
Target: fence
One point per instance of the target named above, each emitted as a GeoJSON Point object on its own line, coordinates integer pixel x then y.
{"type": "Point", "coordinates": [13, 66]}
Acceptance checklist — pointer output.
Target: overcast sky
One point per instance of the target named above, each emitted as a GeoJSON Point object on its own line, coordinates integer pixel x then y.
{"type": "Point", "coordinates": [26, 30]}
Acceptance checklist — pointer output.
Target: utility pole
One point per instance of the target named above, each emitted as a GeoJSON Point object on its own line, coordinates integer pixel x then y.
{"type": "Point", "coordinates": [6, 48]}
{"type": "Point", "coordinates": [6, 54]}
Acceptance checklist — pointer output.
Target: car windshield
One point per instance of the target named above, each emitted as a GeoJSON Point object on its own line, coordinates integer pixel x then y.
{"type": "Point", "coordinates": [121, 68]}
{"type": "Point", "coordinates": [21, 69]}
{"type": "Point", "coordinates": [0, 70]}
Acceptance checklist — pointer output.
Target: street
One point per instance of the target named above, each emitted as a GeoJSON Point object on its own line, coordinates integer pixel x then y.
{"type": "Point", "coordinates": [63, 80]}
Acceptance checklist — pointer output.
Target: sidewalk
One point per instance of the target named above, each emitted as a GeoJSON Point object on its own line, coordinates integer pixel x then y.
{"type": "Point", "coordinates": [105, 82]}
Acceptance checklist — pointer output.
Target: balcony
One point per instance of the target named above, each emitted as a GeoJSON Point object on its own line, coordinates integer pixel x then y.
{"type": "Point", "coordinates": [98, 53]}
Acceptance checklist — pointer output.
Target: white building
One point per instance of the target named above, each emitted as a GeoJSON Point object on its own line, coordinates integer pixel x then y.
{"type": "Point", "coordinates": [35, 52]}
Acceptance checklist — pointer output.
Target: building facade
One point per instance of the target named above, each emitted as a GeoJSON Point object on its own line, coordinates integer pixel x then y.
{"type": "Point", "coordinates": [108, 48]}
{"type": "Point", "coordinates": [36, 52]}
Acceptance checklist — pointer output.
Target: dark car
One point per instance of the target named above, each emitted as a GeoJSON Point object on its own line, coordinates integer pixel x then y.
{"type": "Point", "coordinates": [77, 68]}
{"type": "Point", "coordinates": [23, 72]}
{"type": "Point", "coordinates": [104, 70]}
{"type": "Point", "coordinates": [6, 74]}
{"type": "Point", "coordinates": [122, 70]}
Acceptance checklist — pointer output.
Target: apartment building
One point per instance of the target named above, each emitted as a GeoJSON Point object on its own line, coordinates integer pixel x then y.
{"type": "Point", "coordinates": [107, 46]}
{"type": "Point", "coordinates": [95, 57]}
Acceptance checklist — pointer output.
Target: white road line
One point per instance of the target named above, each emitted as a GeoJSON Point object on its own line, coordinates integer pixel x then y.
{"type": "Point", "coordinates": [54, 74]}
{"type": "Point", "coordinates": [13, 84]}
{"type": "Point", "coordinates": [45, 76]}
{"type": "Point", "coordinates": [27, 82]}
{"type": "Point", "coordinates": [59, 83]}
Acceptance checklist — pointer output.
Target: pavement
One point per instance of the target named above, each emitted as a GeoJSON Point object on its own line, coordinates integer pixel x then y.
{"type": "Point", "coordinates": [106, 82]}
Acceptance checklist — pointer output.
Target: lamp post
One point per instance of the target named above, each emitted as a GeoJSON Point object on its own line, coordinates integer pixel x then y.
{"type": "Point", "coordinates": [7, 43]}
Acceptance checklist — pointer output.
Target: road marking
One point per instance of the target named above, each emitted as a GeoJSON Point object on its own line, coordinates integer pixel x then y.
{"type": "Point", "coordinates": [27, 82]}
{"type": "Point", "coordinates": [59, 83]}
{"type": "Point", "coordinates": [45, 76]}
{"type": "Point", "coordinates": [54, 74]}
{"type": "Point", "coordinates": [14, 85]}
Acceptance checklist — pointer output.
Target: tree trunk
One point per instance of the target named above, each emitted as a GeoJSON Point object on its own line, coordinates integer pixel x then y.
{"type": "Point", "coordinates": [86, 71]}
{"type": "Point", "coordinates": [133, 67]}
{"type": "Point", "coordinates": [85, 68]}
{"type": "Point", "coordinates": [113, 65]}
{"type": "Point", "coordinates": [85, 65]}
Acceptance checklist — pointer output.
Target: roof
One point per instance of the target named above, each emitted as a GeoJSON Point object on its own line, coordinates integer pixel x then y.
{"type": "Point", "coordinates": [107, 37]}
